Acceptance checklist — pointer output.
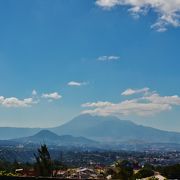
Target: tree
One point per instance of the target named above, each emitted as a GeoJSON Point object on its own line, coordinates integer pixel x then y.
{"type": "Point", "coordinates": [171, 172]}
{"type": "Point", "coordinates": [122, 170]}
{"type": "Point", "coordinates": [143, 173]}
{"type": "Point", "coordinates": [43, 164]}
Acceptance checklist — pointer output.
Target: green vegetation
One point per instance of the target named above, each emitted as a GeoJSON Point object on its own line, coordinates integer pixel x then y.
{"type": "Point", "coordinates": [143, 173]}
{"type": "Point", "coordinates": [121, 170]}
{"type": "Point", "coordinates": [170, 172]}
{"type": "Point", "coordinates": [43, 164]}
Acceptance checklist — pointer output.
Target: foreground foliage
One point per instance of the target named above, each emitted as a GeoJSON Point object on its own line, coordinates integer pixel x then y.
{"type": "Point", "coordinates": [143, 173]}
{"type": "Point", "coordinates": [170, 172]}
{"type": "Point", "coordinates": [121, 170]}
{"type": "Point", "coordinates": [43, 164]}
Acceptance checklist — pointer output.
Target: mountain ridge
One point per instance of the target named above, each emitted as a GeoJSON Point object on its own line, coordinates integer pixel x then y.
{"type": "Point", "coordinates": [50, 138]}
{"type": "Point", "coordinates": [112, 129]}
{"type": "Point", "coordinates": [101, 129]}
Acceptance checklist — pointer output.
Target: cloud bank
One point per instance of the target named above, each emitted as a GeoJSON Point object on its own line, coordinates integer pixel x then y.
{"type": "Point", "coordinates": [167, 11]}
{"type": "Point", "coordinates": [27, 102]}
{"type": "Point", "coordinates": [150, 103]}
{"type": "Point", "coordinates": [15, 102]}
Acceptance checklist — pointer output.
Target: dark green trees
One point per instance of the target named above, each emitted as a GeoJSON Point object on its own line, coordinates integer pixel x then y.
{"type": "Point", "coordinates": [122, 170]}
{"type": "Point", "coordinates": [144, 172]}
{"type": "Point", "coordinates": [171, 172]}
{"type": "Point", "coordinates": [43, 164]}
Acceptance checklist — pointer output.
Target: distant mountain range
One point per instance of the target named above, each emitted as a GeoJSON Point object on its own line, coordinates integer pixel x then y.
{"type": "Point", "coordinates": [50, 138]}
{"type": "Point", "coordinates": [87, 129]}
{"type": "Point", "coordinates": [112, 129]}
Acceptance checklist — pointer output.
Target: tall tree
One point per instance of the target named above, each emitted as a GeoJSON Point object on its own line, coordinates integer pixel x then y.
{"type": "Point", "coordinates": [43, 162]}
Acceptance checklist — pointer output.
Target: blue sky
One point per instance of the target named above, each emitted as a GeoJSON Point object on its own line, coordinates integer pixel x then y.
{"type": "Point", "coordinates": [80, 56]}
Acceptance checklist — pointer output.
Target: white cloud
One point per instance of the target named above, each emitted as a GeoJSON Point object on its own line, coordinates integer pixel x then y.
{"type": "Point", "coordinates": [108, 58]}
{"type": "Point", "coordinates": [15, 102]}
{"type": "Point", "coordinates": [156, 98]}
{"type": "Point", "coordinates": [129, 107]}
{"type": "Point", "coordinates": [1, 99]}
{"type": "Point", "coordinates": [168, 11]}
{"type": "Point", "coordinates": [27, 102]}
{"type": "Point", "coordinates": [75, 83]}
{"type": "Point", "coordinates": [97, 104]}
{"type": "Point", "coordinates": [130, 91]}
{"type": "Point", "coordinates": [52, 96]}
{"type": "Point", "coordinates": [147, 105]}
{"type": "Point", "coordinates": [107, 3]}
{"type": "Point", "coordinates": [34, 92]}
